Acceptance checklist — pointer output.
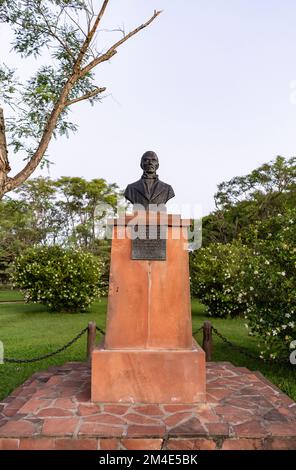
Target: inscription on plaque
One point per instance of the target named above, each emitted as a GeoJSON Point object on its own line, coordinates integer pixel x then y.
{"type": "Point", "coordinates": [150, 243]}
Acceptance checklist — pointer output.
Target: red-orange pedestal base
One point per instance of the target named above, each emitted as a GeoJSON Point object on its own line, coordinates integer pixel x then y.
{"type": "Point", "coordinates": [148, 376]}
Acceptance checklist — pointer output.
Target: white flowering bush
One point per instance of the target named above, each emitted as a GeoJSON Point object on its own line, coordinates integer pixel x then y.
{"type": "Point", "coordinates": [270, 283]}
{"type": "Point", "coordinates": [216, 273]}
{"type": "Point", "coordinates": [255, 277]}
{"type": "Point", "coordinates": [63, 279]}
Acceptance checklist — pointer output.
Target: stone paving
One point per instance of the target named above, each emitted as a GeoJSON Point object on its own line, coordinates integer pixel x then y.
{"type": "Point", "coordinates": [52, 410]}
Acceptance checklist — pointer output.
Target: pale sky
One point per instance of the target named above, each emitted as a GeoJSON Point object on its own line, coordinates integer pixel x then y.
{"type": "Point", "coordinates": [208, 86]}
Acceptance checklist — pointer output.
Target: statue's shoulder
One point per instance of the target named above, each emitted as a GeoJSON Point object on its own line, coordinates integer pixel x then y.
{"type": "Point", "coordinates": [164, 185]}
{"type": "Point", "coordinates": [168, 188]}
{"type": "Point", "coordinates": [135, 184]}
{"type": "Point", "coordinates": [132, 186]}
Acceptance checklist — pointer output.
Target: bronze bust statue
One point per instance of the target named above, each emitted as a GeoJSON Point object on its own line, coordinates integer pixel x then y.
{"type": "Point", "coordinates": [149, 189]}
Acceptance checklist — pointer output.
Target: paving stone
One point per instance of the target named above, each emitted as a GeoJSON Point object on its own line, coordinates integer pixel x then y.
{"type": "Point", "coordinates": [65, 403]}
{"type": "Point", "coordinates": [76, 444]}
{"type": "Point", "coordinates": [176, 408]}
{"type": "Point", "coordinates": [190, 444]}
{"type": "Point", "coordinates": [116, 409]}
{"type": "Point", "coordinates": [219, 393]}
{"type": "Point", "coordinates": [176, 418]}
{"type": "Point", "coordinates": [191, 427]}
{"type": "Point", "coordinates": [278, 443]}
{"type": "Point", "coordinates": [275, 415]}
{"type": "Point", "coordinates": [150, 410]}
{"type": "Point", "coordinates": [242, 444]}
{"type": "Point", "coordinates": [142, 444]}
{"type": "Point", "coordinates": [98, 429]}
{"type": "Point", "coordinates": [105, 418]}
{"type": "Point", "coordinates": [34, 405]}
{"type": "Point", "coordinates": [108, 444]}
{"type": "Point", "coordinates": [136, 430]}
{"type": "Point", "coordinates": [37, 444]}
{"type": "Point", "coordinates": [217, 429]}
{"type": "Point", "coordinates": [140, 419]}
{"type": "Point", "coordinates": [9, 444]}
{"type": "Point", "coordinates": [85, 410]}
{"type": "Point", "coordinates": [54, 412]}
{"type": "Point", "coordinates": [253, 428]}
{"type": "Point", "coordinates": [281, 429]}
{"type": "Point", "coordinates": [59, 426]}
{"type": "Point", "coordinates": [18, 428]}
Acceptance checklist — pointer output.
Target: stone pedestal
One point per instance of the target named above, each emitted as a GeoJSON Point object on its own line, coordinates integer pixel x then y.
{"type": "Point", "coordinates": [148, 355]}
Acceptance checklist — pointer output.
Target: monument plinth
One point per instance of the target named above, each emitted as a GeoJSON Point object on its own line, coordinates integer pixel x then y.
{"type": "Point", "coordinates": [149, 355]}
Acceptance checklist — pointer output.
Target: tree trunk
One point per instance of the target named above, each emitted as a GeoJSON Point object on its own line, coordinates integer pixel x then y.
{"type": "Point", "coordinates": [4, 165]}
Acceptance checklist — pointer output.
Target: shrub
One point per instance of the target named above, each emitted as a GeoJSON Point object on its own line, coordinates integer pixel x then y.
{"type": "Point", "coordinates": [270, 278]}
{"type": "Point", "coordinates": [255, 277]}
{"type": "Point", "coordinates": [216, 273]}
{"type": "Point", "coordinates": [62, 279]}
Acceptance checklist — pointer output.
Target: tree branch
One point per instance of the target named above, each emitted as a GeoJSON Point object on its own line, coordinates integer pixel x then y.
{"type": "Point", "coordinates": [91, 94]}
{"type": "Point", "coordinates": [4, 164]}
{"type": "Point", "coordinates": [112, 50]}
{"type": "Point", "coordinates": [76, 23]}
{"type": "Point", "coordinates": [90, 35]}
{"type": "Point", "coordinates": [23, 175]}
{"type": "Point", "coordinates": [55, 35]}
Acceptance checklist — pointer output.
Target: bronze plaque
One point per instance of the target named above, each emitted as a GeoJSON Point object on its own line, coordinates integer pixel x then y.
{"type": "Point", "coordinates": [150, 243]}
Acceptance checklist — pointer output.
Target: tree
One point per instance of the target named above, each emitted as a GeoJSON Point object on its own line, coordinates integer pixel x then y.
{"type": "Point", "coordinates": [40, 195]}
{"type": "Point", "coordinates": [78, 200]}
{"type": "Point", "coordinates": [17, 232]}
{"type": "Point", "coordinates": [264, 185]}
{"type": "Point", "coordinates": [68, 30]}
{"type": "Point", "coordinates": [265, 192]}
{"type": "Point", "coordinates": [56, 212]}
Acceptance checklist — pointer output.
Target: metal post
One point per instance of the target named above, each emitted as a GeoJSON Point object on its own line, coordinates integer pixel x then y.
{"type": "Point", "coordinates": [207, 343]}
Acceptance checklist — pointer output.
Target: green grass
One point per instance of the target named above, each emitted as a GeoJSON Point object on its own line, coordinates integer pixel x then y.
{"type": "Point", "coordinates": [284, 376]}
{"type": "Point", "coordinates": [29, 330]}
{"type": "Point", "coordinates": [10, 295]}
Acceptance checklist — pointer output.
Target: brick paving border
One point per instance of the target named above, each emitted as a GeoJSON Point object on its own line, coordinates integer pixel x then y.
{"type": "Point", "coordinates": [52, 410]}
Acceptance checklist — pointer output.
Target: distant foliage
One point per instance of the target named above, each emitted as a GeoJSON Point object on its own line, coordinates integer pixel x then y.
{"type": "Point", "coordinates": [63, 279]}
{"type": "Point", "coordinates": [244, 200]}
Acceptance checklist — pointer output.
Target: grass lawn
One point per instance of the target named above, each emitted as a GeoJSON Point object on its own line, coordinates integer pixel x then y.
{"type": "Point", "coordinates": [29, 330]}
{"type": "Point", "coordinates": [10, 295]}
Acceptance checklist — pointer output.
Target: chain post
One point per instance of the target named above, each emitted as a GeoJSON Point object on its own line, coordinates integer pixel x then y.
{"type": "Point", "coordinates": [207, 343]}
{"type": "Point", "coordinates": [91, 339]}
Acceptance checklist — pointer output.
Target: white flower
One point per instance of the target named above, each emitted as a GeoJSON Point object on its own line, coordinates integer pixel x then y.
{"type": "Point", "coordinates": [287, 315]}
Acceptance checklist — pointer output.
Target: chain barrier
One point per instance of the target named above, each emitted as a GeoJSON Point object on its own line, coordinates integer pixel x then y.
{"type": "Point", "coordinates": [244, 352]}
{"type": "Point", "coordinates": [46, 356]}
{"type": "Point", "coordinates": [197, 331]}
{"type": "Point", "coordinates": [100, 330]}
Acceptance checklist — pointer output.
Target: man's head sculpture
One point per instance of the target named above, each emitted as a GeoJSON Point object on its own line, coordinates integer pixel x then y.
{"type": "Point", "coordinates": [149, 163]}
{"type": "Point", "coordinates": [149, 193]}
